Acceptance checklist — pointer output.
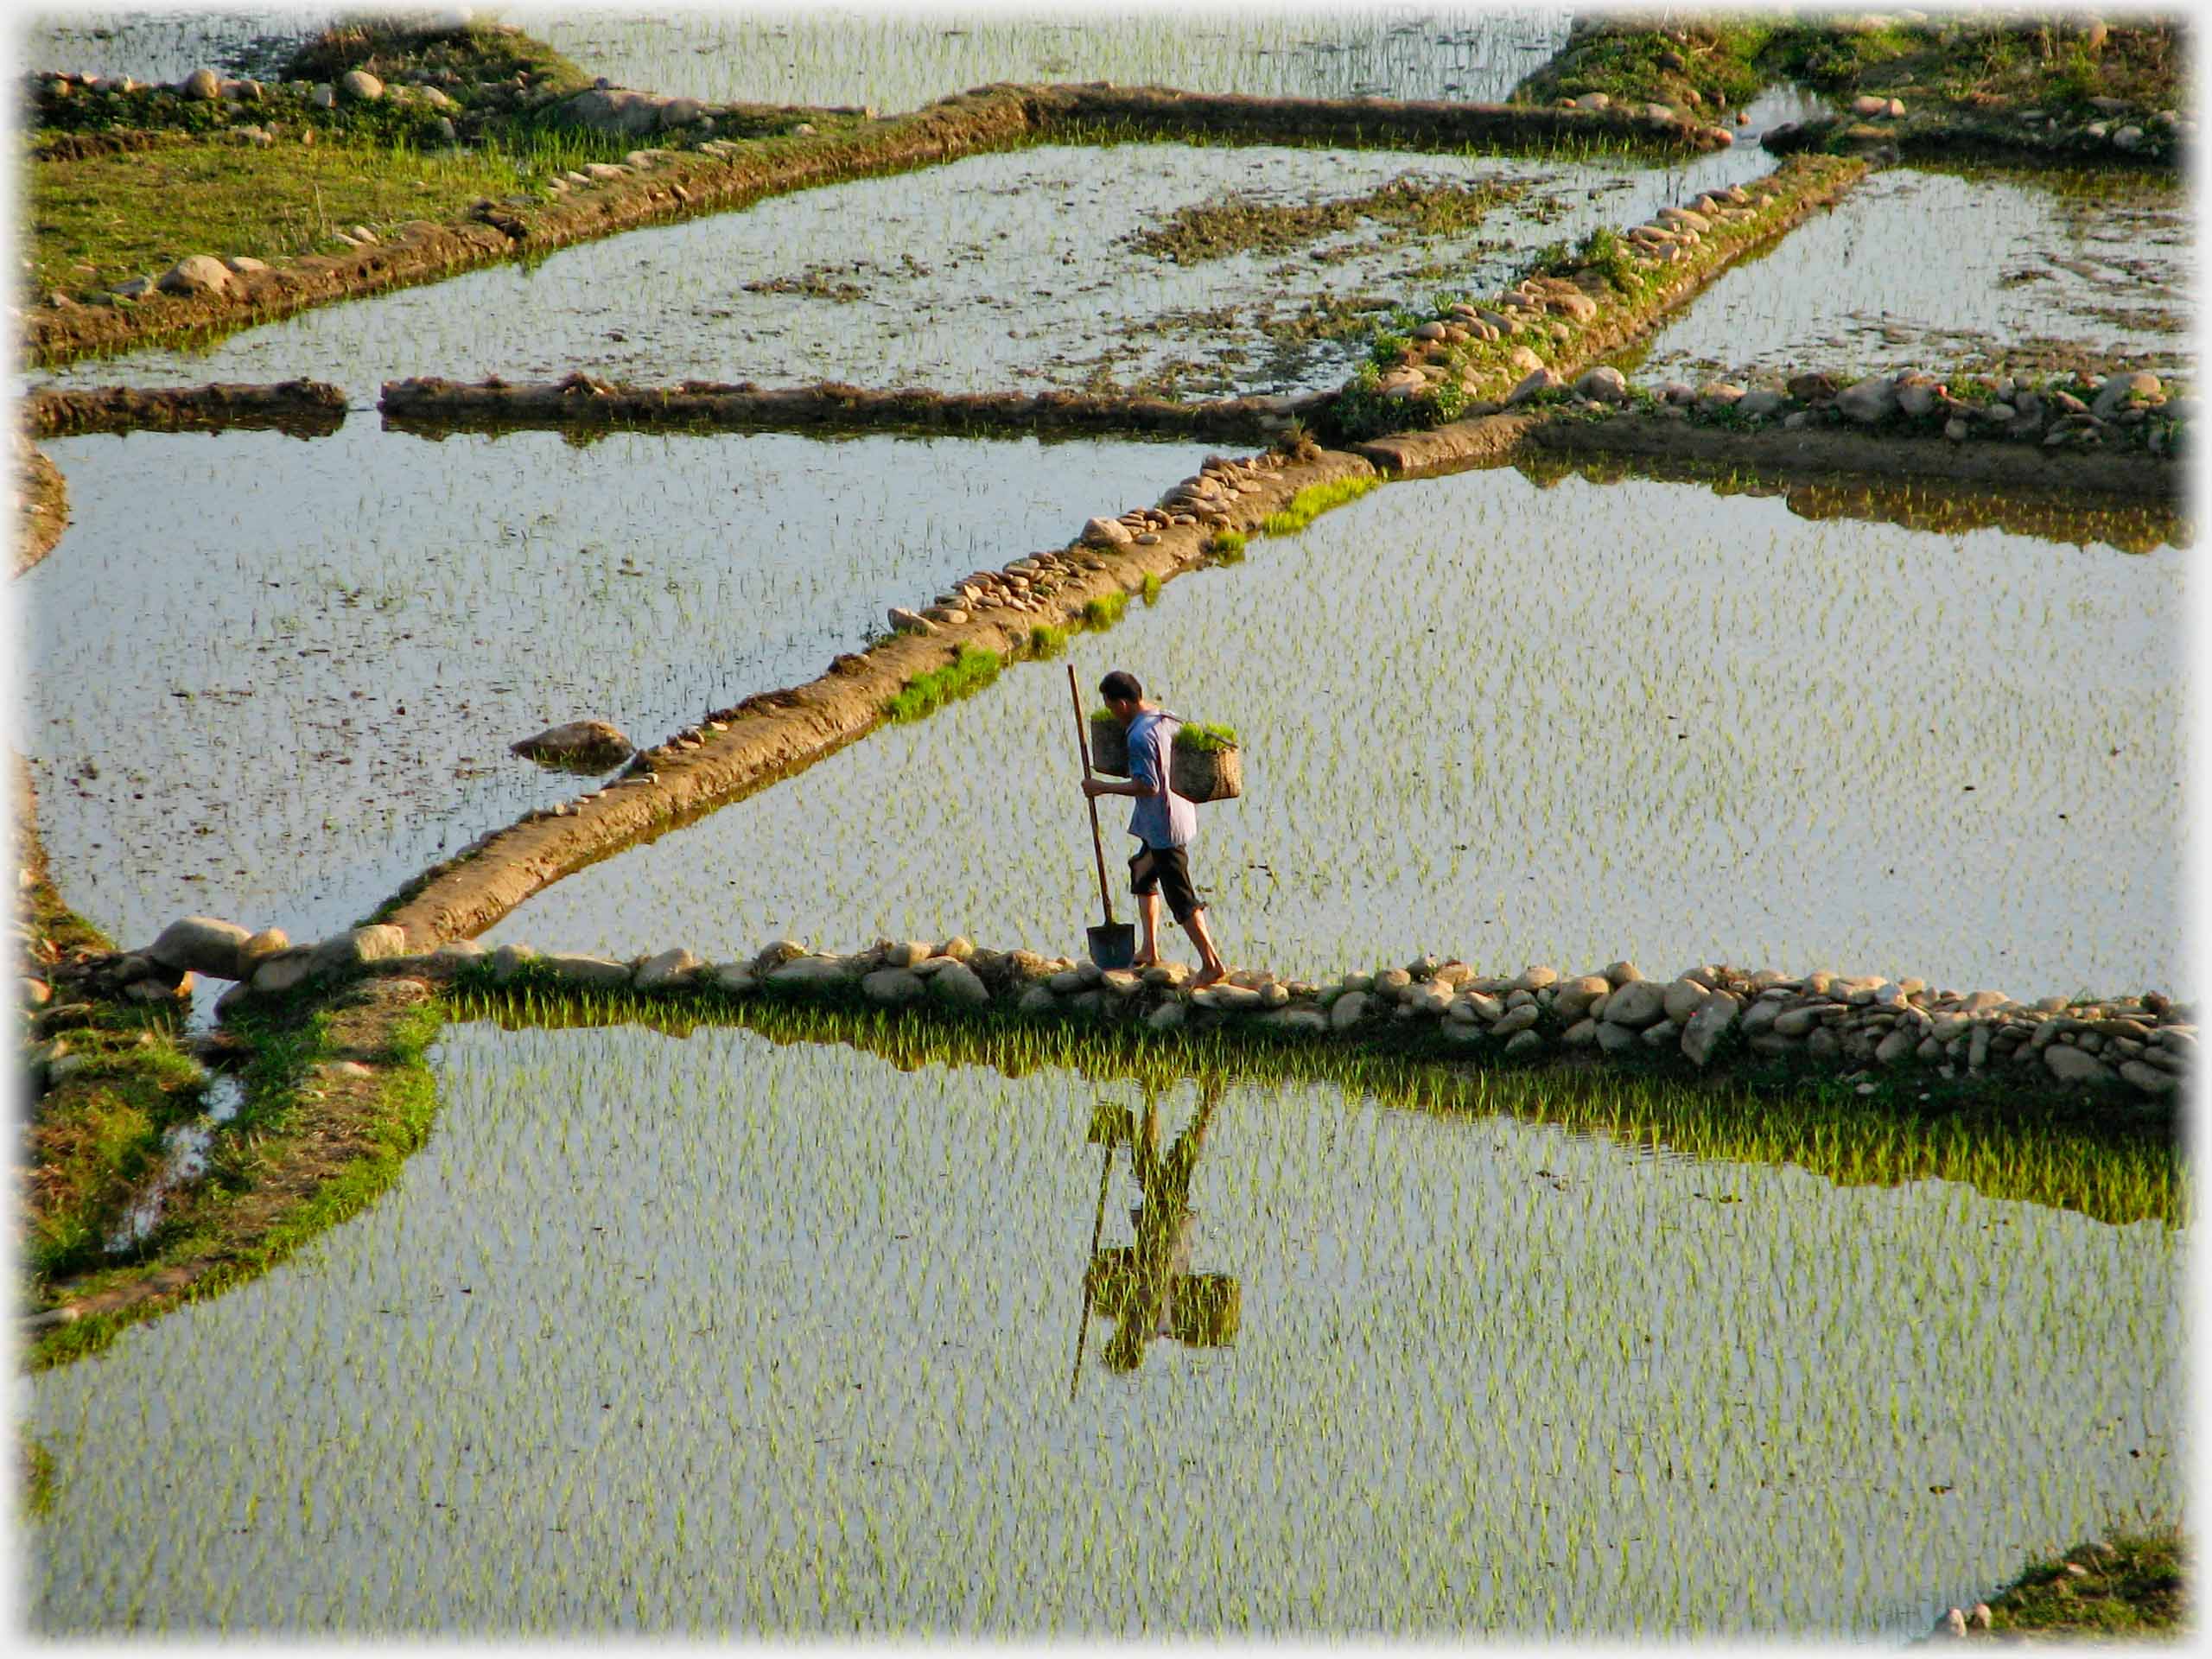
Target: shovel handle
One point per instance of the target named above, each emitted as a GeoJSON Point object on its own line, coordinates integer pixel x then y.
{"type": "Point", "coordinates": [1098, 845]}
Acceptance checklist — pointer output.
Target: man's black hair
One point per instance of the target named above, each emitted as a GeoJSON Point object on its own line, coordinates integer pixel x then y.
{"type": "Point", "coordinates": [1121, 686]}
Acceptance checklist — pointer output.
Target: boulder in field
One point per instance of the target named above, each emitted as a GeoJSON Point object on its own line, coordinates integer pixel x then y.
{"type": "Point", "coordinates": [1604, 384]}
{"type": "Point", "coordinates": [201, 944]}
{"type": "Point", "coordinates": [360, 86]}
{"type": "Point", "coordinates": [578, 746]}
{"type": "Point", "coordinates": [1869, 400]}
{"type": "Point", "coordinates": [196, 273]}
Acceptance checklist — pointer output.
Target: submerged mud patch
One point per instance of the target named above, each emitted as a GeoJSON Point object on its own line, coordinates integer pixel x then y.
{"type": "Point", "coordinates": [1406, 208]}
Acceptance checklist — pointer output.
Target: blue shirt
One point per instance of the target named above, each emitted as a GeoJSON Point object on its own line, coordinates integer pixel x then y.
{"type": "Point", "coordinates": [1157, 821]}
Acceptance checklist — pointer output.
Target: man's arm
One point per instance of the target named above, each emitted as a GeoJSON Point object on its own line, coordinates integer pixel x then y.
{"type": "Point", "coordinates": [1147, 776]}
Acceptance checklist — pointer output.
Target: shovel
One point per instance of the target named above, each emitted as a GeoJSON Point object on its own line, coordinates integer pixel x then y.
{"type": "Point", "coordinates": [1113, 945]}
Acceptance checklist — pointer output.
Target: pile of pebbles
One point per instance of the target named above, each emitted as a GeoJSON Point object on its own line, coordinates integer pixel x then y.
{"type": "Point", "coordinates": [2116, 125]}
{"type": "Point", "coordinates": [2132, 407]}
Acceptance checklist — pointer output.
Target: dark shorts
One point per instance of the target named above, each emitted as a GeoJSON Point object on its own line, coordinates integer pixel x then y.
{"type": "Point", "coordinates": [1166, 871]}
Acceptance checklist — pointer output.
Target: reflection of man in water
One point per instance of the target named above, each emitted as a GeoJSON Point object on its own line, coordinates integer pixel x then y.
{"type": "Point", "coordinates": [1147, 1287]}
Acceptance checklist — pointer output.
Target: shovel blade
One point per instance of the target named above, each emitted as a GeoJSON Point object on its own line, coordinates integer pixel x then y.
{"type": "Point", "coordinates": [1114, 944]}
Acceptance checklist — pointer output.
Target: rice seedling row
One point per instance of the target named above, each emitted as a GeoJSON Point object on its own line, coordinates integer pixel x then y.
{"type": "Point", "coordinates": [547, 1356]}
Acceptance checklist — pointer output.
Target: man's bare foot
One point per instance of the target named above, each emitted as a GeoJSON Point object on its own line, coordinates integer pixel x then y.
{"type": "Point", "coordinates": [1212, 975]}
{"type": "Point", "coordinates": [1146, 960]}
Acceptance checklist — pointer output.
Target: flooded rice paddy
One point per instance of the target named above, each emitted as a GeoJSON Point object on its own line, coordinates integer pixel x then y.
{"type": "Point", "coordinates": [1523, 724]}
{"type": "Point", "coordinates": [710, 1335]}
{"type": "Point", "coordinates": [160, 46]}
{"type": "Point", "coordinates": [1025, 268]}
{"type": "Point", "coordinates": [900, 58]}
{"type": "Point", "coordinates": [273, 679]}
{"type": "Point", "coordinates": [1992, 268]}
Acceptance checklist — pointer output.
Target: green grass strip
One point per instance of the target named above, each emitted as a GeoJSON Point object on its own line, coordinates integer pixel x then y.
{"type": "Point", "coordinates": [971, 671]}
{"type": "Point", "coordinates": [1315, 499]}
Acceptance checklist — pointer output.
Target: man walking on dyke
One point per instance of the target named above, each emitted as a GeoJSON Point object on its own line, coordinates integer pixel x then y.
{"type": "Point", "coordinates": [1163, 822]}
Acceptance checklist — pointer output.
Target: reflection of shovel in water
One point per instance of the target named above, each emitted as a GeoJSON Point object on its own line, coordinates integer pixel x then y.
{"type": "Point", "coordinates": [1109, 1127]}
{"type": "Point", "coordinates": [1113, 945]}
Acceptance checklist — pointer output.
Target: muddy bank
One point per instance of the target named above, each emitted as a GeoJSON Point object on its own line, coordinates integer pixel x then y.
{"type": "Point", "coordinates": [126, 141]}
{"type": "Point", "coordinates": [2120, 477]}
{"type": "Point", "coordinates": [1410, 124]}
{"type": "Point", "coordinates": [1487, 439]}
{"type": "Point", "coordinates": [44, 511]}
{"type": "Point", "coordinates": [2071, 494]}
{"type": "Point", "coordinates": [775, 732]}
{"type": "Point", "coordinates": [434, 406]}
{"type": "Point", "coordinates": [310, 408]}
{"type": "Point", "coordinates": [1966, 138]}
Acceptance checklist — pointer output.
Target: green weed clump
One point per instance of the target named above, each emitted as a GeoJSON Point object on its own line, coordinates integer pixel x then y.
{"type": "Point", "coordinates": [2130, 1585]}
{"type": "Point", "coordinates": [1315, 499]}
{"type": "Point", "coordinates": [1227, 544]}
{"type": "Point", "coordinates": [1105, 610]}
{"type": "Point", "coordinates": [971, 671]}
{"type": "Point", "coordinates": [1604, 252]}
{"type": "Point", "coordinates": [1152, 587]}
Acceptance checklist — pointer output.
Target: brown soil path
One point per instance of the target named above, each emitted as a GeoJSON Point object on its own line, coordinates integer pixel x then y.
{"type": "Point", "coordinates": [436, 406]}
{"type": "Point", "coordinates": [310, 407]}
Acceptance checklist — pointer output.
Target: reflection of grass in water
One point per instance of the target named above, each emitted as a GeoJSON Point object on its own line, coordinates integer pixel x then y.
{"type": "Point", "coordinates": [1987, 1142]}
{"type": "Point", "coordinates": [1915, 503]}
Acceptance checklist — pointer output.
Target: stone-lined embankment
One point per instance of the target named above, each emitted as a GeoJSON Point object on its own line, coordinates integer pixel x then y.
{"type": "Point", "coordinates": [303, 406]}
{"type": "Point", "coordinates": [1554, 323]}
{"type": "Point", "coordinates": [433, 405]}
{"type": "Point", "coordinates": [1711, 1017]}
{"type": "Point", "coordinates": [766, 736]}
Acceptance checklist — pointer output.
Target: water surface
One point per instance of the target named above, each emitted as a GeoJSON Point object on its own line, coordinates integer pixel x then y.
{"type": "Point", "coordinates": [711, 1337]}
{"type": "Point", "coordinates": [1017, 268]}
{"type": "Point", "coordinates": [270, 679]}
{"type": "Point", "coordinates": [1524, 724]}
{"type": "Point", "coordinates": [1997, 268]}
{"type": "Point", "coordinates": [898, 57]}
